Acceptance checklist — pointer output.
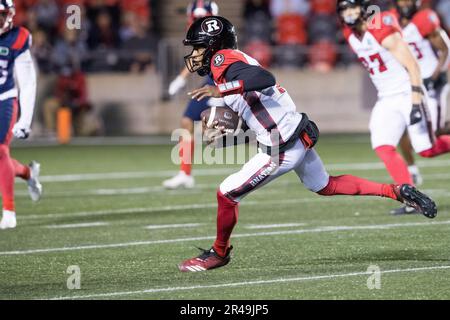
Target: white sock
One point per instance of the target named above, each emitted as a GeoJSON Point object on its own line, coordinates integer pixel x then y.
{"type": "Point", "coordinates": [413, 169]}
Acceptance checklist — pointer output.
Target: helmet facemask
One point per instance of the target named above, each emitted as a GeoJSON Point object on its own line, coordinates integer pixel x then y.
{"type": "Point", "coordinates": [351, 18]}
{"type": "Point", "coordinates": [6, 19]}
{"type": "Point", "coordinates": [199, 60]}
{"type": "Point", "coordinates": [408, 11]}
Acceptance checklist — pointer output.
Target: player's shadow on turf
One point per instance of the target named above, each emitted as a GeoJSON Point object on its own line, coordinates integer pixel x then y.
{"type": "Point", "coordinates": [397, 255]}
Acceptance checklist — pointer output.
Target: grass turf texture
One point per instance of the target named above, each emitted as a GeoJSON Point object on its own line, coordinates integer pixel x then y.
{"type": "Point", "coordinates": [141, 263]}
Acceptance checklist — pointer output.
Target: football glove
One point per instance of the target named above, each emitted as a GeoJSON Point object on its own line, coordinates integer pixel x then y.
{"type": "Point", "coordinates": [416, 114]}
{"type": "Point", "coordinates": [176, 85]}
{"type": "Point", "coordinates": [21, 131]}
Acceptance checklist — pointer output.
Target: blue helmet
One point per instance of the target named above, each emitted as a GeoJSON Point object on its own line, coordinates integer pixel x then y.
{"type": "Point", "coordinates": [7, 13]}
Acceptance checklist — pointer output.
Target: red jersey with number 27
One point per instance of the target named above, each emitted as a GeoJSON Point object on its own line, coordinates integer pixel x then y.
{"type": "Point", "coordinates": [387, 74]}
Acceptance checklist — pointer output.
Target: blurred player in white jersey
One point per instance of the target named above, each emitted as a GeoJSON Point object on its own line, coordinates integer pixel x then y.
{"type": "Point", "coordinates": [184, 179]}
{"type": "Point", "coordinates": [430, 45]}
{"type": "Point", "coordinates": [15, 58]}
{"type": "Point", "coordinates": [286, 137]}
{"type": "Point", "coordinates": [402, 101]}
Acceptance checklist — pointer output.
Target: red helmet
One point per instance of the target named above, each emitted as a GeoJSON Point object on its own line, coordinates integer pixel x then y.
{"type": "Point", "coordinates": [7, 13]}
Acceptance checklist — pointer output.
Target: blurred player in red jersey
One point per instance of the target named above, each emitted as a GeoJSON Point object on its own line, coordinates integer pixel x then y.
{"type": "Point", "coordinates": [430, 45]}
{"type": "Point", "coordinates": [15, 58]}
{"type": "Point", "coordinates": [402, 100]}
{"type": "Point", "coordinates": [184, 179]}
{"type": "Point", "coordinates": [286, 138]}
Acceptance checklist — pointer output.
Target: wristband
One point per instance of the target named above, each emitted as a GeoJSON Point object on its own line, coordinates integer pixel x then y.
{"type": "Point", "coordinates": [417, 89]}
{"type": "Point", "coordinates": [232, 87]}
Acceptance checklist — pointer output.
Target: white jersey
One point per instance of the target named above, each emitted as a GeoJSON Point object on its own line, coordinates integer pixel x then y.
{"type": "Point", "coordinates": [271, 114]}
{"type": "Point", "coordinates": [387, 74]}
{"type": "Point", "coordinates": [415, 33]}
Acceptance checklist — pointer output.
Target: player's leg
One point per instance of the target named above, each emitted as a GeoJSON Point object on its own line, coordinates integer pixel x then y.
{"type": "Point", "coordinates": [408, 154]}
{"type": "Point", "coordinates": [259, 171]}
{"type": "Point", "coordinates": [8, 116]}
{"type": "Point", "coordinates": [387, 126]}
{"type": "Point", "coordinates": [443, 125]}
{"type": "Point", "coordinates": [423, 138]}
{"type": "Point", "coordinates": [314, 176]}
{"type": "Point", "coordinates": [184, 177]}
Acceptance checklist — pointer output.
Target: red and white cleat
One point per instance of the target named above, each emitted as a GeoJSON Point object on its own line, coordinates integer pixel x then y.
{"type": "Point", "coordinates": [412, 197]}
{"type": "Point", "coordinates": [209, 259]}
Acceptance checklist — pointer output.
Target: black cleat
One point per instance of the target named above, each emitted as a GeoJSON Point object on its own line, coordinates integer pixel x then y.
{"type": "Point", "coordinates": [403, 210]}
{"type": "Point", "coordinates": [412, 197]}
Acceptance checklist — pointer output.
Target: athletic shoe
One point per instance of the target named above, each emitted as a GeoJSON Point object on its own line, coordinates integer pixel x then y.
{"type": "Point", "coordinates": [181, 180]}
{"type": "Point", "coordinates": [34, 187]}
{"type": "Point", "coordinates": [209, 259]}
{"type": "Point", "coordinates": [412, 197]}
{"type": "Point", "coordinates": [8, 220]}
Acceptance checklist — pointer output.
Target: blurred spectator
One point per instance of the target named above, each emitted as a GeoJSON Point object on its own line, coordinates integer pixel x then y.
{"type": "Point", "coordinates": [443, 8]}
{"type": "Point", "coordinates": [71, 92]}
{"type": "Point", "coordinates": [42, 51]}
{"type": "Point", "coordinates": [258, 26]}
{"type": "Point", "coordinates": [327, 7]}
{"type": "Point", "coordinates": [256, 7]}
{"type": "Point", "coordinates": [322, 55]}
{"type": "Point", "coordinates": [138, 46]}
{"type": "Point", "coordinates": [47, 15]}
{"type": "Point", "coordinates": [104, 34]}
{"type": "Point", "coordinates": [280, 7]}
{"type": "Point", "coordinates": [69, 50]}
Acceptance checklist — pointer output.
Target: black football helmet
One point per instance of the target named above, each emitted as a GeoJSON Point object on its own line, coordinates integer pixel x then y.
{"type": "Point", "coordinates": [213, 33]}
{"type": "Point", "coordinates": [344, 4]}
{"type": "Point", "coordinates": [7, 13]}
{"type": "Point", "coordinates": [408, 12]}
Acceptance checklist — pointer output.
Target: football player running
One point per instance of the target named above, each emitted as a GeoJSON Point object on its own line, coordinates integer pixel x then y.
{"type": "Point", "coordinates": [184, 179]}
{"type": "Point", "coordinates": [15, 57]}
{"type": "Point", "coordinates": [286, 137]}
{"type": "Point", "coordinates": [378, 43]}
{"type": "Point", "coordinates": [430, 45]}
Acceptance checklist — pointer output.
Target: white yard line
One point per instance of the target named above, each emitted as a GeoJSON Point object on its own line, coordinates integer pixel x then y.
{"type": "Point", "coordinates": [217, 171]}
{"type": "Point", "coordinates": [274, 226]}
{"type": "Point", "coordinates": [77, 225]}
{"type": "Point", "coordinates": [182, 207]}
{"type": "Point", "coordinates": [241, 235]}
{"type": "Point", "coordinates": [173, 226]}
{"type": "Point", "coordinates": [250, 283]}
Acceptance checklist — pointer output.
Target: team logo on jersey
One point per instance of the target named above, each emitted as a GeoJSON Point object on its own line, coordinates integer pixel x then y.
{"type": "Point", "coordinates": [4, 51]}
{"type": "Point", "coordinates": [212, 26]}
{"type": "Point", "coordinates": [219, 59]}
{"type": "Point", "coordinates": [387, 20]}
{"type": "Point", "coordinates": [433, 18]}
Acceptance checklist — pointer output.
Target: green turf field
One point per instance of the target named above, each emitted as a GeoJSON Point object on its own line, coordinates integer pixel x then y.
{"type": "Point", "coordinates": [105, 212]}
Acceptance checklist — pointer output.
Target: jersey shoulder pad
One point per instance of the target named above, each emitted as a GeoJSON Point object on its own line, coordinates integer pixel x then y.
{"type": "Point", "coordinates": [383, 25]}
{"type": "Point", "coordinates": [222, 60]}
{"type": "Point", "coordinates": [22, 40]}
{"type": "Point", "coordinates": [426, 21]}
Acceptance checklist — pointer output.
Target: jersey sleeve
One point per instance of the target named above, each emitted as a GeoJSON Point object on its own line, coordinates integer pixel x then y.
{"type": "Point", "coordinates": [222, 60]}
{"type": "Point", "coordinates": [384, 25]}
{"type": "Point", "coordinates": [426, 21]}
{"type": "Point", "coordinates": [22, 42]}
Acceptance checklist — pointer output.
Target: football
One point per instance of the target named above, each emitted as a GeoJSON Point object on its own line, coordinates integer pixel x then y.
{"type": "Point", "coordinates": [225, 117]}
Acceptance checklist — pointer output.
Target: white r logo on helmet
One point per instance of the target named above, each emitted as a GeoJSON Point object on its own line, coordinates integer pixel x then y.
{"type": "Point", "coordinates": [212, 26]}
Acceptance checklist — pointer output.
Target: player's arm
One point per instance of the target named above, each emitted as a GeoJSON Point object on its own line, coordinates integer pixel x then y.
{"type": "Point", "coordinates": [440, 43]}
{"type": "Point", "coordinates": [26, 80]}
{"type": "Point", "coordinates": [400, 50]}
{"type": "Point", "coordinates": [179, 82]}
{"type": "Point", "coordinates": [241, 77]}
